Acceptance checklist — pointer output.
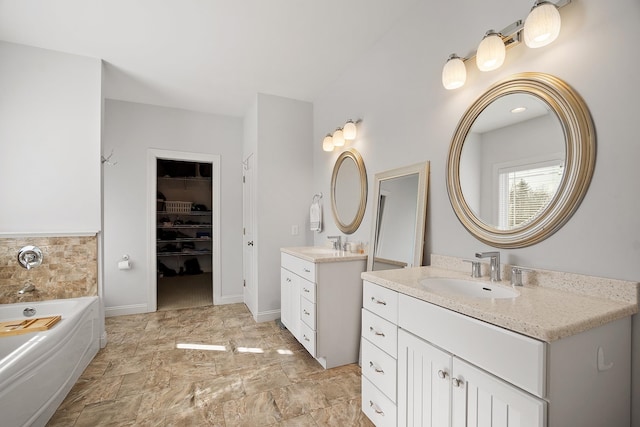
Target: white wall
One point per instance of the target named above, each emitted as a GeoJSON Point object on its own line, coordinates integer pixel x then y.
{"type": "Point", "coordinates": [280, 131]}
{"type": "Point", "coordinates": [130, 130]}
{"type": "Point", "coordinates": [408, 117]}
{"type": "Point", "coordinates": [50, 112]}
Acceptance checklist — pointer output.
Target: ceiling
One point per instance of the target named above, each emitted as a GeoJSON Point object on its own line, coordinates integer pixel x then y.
{"type": "Point", "coordinates": [206, 55]}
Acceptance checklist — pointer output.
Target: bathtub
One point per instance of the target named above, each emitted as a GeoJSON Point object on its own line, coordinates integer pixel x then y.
{"type": "Point", "coordinates": [38, 369]}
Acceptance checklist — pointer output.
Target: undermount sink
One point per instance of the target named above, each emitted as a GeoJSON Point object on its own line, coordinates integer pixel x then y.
{"type": "Point", "coordinates": [467, 288]}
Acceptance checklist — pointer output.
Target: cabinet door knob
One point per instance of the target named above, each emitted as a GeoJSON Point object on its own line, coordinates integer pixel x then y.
{"type": "Point", "coordinates": [250, 243]}
{"type": "Point", "coordinates": [442, 374]}
{"type": "Point", "coordinates": [375, 408]}
{"type": "Point", "coordinates": [375, 368]}
{"type": "Point", "coordinates": [288, 279]}
{"type": "Point", "coordinates": [379, 334]}
{"type": "Point", "coordinates": [377, 301]}
{"type": "Point", "coordinates": [456, 382]}
{"type": "Point", "coordinates": [306, 270]}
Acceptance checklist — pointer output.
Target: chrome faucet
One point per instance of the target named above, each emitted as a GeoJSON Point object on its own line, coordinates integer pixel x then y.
{"type": "Point", "coordinates": [495, 264]}
{"type": "Point", "coordinates": [337, 243]}
{"type": "Point", "coordinates": [28, 287]}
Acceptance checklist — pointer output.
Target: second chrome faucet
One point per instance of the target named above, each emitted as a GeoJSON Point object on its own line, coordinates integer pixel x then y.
{"type": "Point", "coordinates": [495, 264]}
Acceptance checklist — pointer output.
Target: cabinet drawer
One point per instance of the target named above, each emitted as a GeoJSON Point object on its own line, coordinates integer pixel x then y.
{"type": "Point", "coordinates": [376, 406]}
{"type": "Point", "coordinates": [308, 290]}
{"type": "Point", "coordinates": [502, 352]}
{"type": "Point", "coordinates": [380, 332]}
{"type": "Point", "coordinates": [380, 369]}
{"type": "Point", "coordinates": [308, 338]}
{"type": "Point", "coordinates": [381, 301]}
{"type": "Point", "coordinates": [303, 268]}
{"type": "Point", "coordinates": [308, 313]}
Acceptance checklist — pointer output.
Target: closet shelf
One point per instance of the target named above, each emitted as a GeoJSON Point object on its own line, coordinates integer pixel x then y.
{"type": "Point", "coordinates": [192, 213]}
{"type": "Point", "coordinates": [183, 253]}
{"type": "Point", "coordinates": [185, 239]}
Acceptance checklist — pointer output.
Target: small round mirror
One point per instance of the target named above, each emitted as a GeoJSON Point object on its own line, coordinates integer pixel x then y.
{"type": "Point", "coordinates": [349, 191]}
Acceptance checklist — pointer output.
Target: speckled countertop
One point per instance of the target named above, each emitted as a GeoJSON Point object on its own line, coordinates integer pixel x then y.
{"type": "Point", "coordinates": [547, 313]}
{"type": "Point", "coordinates": [321, 254]}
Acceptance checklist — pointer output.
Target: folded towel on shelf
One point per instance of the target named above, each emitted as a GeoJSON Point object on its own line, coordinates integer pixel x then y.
{"type": "Point", "coordinates": [315, 216]}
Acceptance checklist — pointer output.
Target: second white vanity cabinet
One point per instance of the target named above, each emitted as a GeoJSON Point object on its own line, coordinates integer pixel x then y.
{"type": "Point", "coordinates": [320, 302]}
{"type": "Point", "coordinates": [454, 370]}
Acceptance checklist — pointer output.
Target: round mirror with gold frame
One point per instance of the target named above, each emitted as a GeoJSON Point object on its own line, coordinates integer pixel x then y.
{"type": "Point", "coordinates": [349, 191]}
{"type": "Point", "coordinates": [513, 182]}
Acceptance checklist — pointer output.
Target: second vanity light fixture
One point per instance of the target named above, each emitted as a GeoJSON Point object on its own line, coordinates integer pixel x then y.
{"type": "Point", "coordinates": [540, 28]}
{"type": "Point", "coordinates": [346, 133]}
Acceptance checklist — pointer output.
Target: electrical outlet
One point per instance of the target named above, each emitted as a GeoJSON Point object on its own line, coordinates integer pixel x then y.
{"type": "Point", "coordinates": [294, 230]}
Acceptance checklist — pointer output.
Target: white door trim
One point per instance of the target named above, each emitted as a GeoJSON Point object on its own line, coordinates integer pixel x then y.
{"type": "Point", "coordinates": [152, 188]}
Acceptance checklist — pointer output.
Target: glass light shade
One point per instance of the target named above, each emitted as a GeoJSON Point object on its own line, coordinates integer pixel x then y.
{"type": "Point", "coordinates": [454, 73]}
{"type": "Point", "coordinates": [542, 25]}
{"type": "Point", "coordinates": [349, 131]}
{"type": "Point", "coordinates": [491, 52]}
{"type": "Point", "coordinates": [327, 143]}
{"type": "Point", "coordinates": [338, 138]}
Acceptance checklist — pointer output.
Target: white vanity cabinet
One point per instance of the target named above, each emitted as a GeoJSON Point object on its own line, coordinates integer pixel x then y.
{"type": "Point", "coordinates": [454, 370]}
{"type": "Point", "coordinates": [320, 305]}
{"type": "Point", "coordinates": [437, 389]}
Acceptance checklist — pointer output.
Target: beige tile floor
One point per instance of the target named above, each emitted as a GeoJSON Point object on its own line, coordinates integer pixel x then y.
{"type": "Point", "coordinates": [151, 373]}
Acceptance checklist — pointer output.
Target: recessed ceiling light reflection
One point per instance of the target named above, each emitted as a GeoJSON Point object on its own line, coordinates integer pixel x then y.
{"type": "Point", "coordinates": [283, 351]}
{"type": "Point", "coordinates": [211, 347]}
{"type": "Point", "coordinates": [518, 110]}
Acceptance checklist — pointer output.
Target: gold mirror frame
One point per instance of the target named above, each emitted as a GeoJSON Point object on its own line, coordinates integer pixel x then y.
{"type": "Point", "coordinates": [580, 146]}
{"type": "Point", "coordinates": [343, 225]}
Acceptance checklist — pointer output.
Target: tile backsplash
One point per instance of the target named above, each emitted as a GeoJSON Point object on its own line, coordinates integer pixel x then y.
{"type": "Point", "coordinates": [69, 268]}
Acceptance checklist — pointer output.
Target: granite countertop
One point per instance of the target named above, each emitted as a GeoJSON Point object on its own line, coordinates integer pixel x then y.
{"type": "Point", "coordinates": [319, 254]}
{"type": "Point", "coordinates": [547, 313]}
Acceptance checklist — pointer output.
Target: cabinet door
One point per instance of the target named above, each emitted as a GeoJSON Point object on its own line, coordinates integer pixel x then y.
{"type": "Point", "coordinates": [482, 400]}
{"type": "Point", "coordinates": [290, 302]}
{"type": "Point", "coordinates": [424, 383]}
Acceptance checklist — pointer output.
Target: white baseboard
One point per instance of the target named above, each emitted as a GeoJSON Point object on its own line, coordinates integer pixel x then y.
{"type": "Point", "coordinates": [122, 310]}
{"type": "Point", "coordinates": [233, 299]}
{"type": "Point", "coordinates": [267, 316]}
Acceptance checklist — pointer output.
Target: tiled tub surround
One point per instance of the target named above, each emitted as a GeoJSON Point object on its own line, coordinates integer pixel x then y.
{"type": "Point", "coordinates": [551, 305]}
{"type": "Point", "coordinates": [69, 268]}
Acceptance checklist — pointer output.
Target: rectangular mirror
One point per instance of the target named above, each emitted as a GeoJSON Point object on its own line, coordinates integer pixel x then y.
{"type": "Point", "coordinates": [399, 217]}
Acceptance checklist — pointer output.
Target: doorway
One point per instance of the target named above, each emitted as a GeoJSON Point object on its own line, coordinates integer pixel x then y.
{"type": "Point", "coordinates": [183, 229]}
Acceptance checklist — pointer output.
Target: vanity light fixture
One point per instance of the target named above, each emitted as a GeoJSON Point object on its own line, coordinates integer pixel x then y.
{"type": "Point", "coordinates": [341, 135]}
{"type": "Point", "coordinates": [349, 130]}
{"type": "Point", "coordinates": [338, 138]}
{"type": "Point", "coordinates": [540, 28]}
{"type": "Point", "coordinates": [454, 73]}
{"type": "Point", "coordinates": [491, 52]}
{"type": "Point", "coordinates": [327, 143]}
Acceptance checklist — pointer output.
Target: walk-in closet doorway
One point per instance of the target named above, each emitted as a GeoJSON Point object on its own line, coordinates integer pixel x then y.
{"type": "Point", "coordinates": [183, 211]}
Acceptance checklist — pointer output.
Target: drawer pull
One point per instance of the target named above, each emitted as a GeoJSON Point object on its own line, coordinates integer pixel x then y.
{"type": "Point", "coordinates": [288, 279]}
{"type": "Point", "coordinates": [306, 290]}
{"type": "Point", "coordinates": [456, 382]}
{"type": "Point", "coordinates": [305, 338]}
{"type": "Point", "coordinates": [379, 334]}
{"type": "Point", "coordinates": [376, 408]}
{"type": "Point", "coordinates": [375, 368]}
{"type": "Point", "coordinates": [306, 312]}
{"type": "Point", "coordinates": [442, 374]}
{"type": "Point", "coordinates": [377, 301]}
{"type": "Point", "coordinates": [306, 270]}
